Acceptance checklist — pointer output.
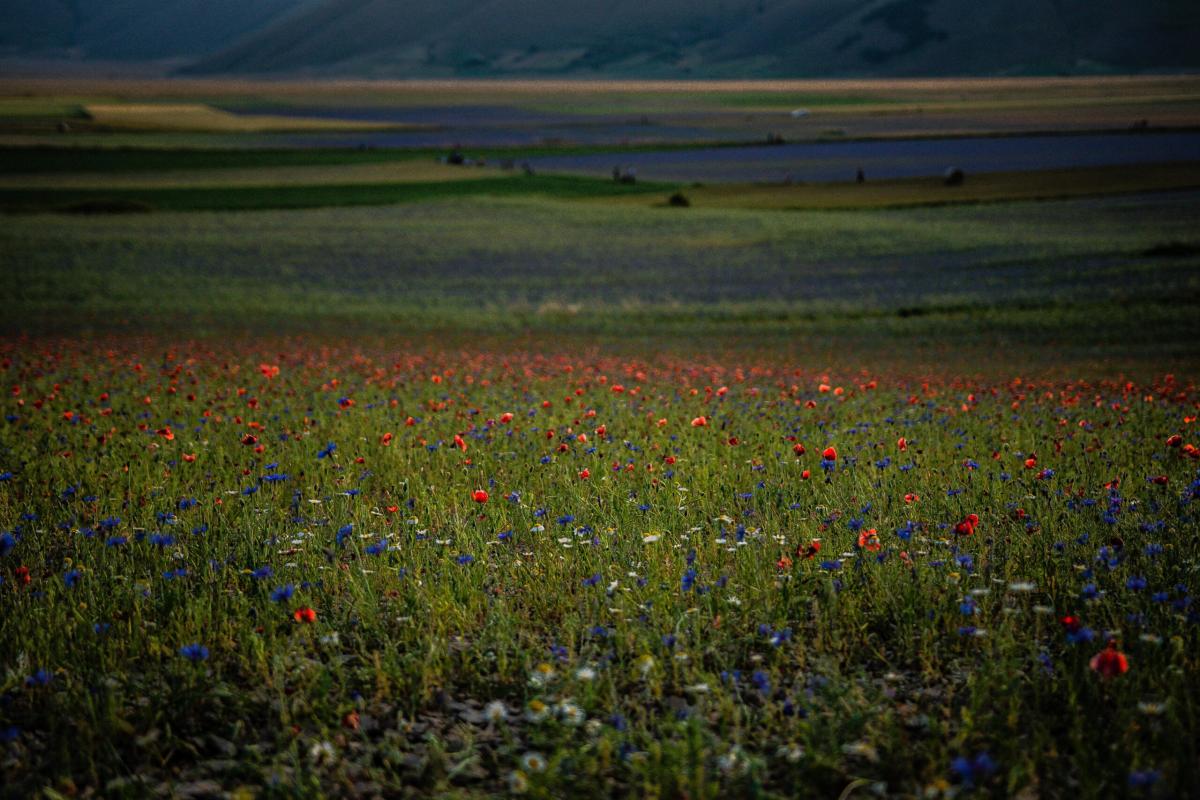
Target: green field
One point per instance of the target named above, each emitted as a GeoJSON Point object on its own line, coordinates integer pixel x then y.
{"type": "Point", "coordinates": [1079, 277]}
{"type": "Point", "coordinates": [347, 473]}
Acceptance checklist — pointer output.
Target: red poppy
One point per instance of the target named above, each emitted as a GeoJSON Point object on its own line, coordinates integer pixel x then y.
{"type": "Point", "coordinates": [829, 454]}
{"type": "Point", "coordinates": [1110, 662]}
{"type": "Point", "coordinates": [249, 439]}
{"type": "Point", "coordinates": [699, 422]}
{"type": "Point", "coordinates": [480, 496]}
{"type": "Point", "coordinates": [1174, 440]}
{"type": "Point", "coordinates": [506, 418]}
{"type": "Point", "coordinates": [869, 540]}
{"type": "Point", "coordinates": [166, 433]}
{"type": "Point", "coordinates": [1161, 480]}
{"type": "Point", "coordinates": [459, 443]}
{"type": "Point", "coordinates": [305, 615]}
{"type": "Point", "coordinates": [784, 563]}
{"type": "Point", "coordinates": [798, 449]}
{"type": "Point", "coordinates": [386, 439]}
{"type": "Point", "coordinates": [967, 526]}
{"type": "Point", "coordinates": [902, 443]}
{"type": "Point", "coordinates": [809, 550]}
{"type": "Point", "coordinates": [584, 474]}
{"type": "Point", "coordinates": [21, 574]}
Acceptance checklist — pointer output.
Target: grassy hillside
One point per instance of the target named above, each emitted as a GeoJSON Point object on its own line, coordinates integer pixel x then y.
{"type": "Point", "coordinates": [135, 29]}
{"type": "Point", "coordinates": [664, 38]}
{"type": "Point", "coordinates": [722, 38]}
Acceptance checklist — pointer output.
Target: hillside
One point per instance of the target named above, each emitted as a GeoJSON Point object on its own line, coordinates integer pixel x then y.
{"type": "Point", "coordinates": [717, 38]}
{"type": "Point", "coordinates": [626, 38]}
{"type": "Point", "coordinates": [135, 30]}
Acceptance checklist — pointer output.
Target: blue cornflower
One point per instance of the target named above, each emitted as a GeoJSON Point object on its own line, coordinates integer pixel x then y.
{"type": "Point", "coordinates": [326, 451]}
{"type": "Point", "coordinates": [40, 678]}
{"type": "Point", "coordinates": [970, 770]}
{"type": "Point", "coordinates": [1080, 635]}
{"type": "Point", "coordinates": [71, 578]}
{"type": "Point", "coordinates": [1135, 583]}
{"type": "Point", "coordinates": [194, 652]}
{"type": "Point", "coordinates": [262, 573]}
{"type": "Point", "coordinates": [688, 581]}
{"type": "Point", "coordinates": [464, 559]}
{"type": "Point", "coordinates": [281, 593]}
{"type": "Point", "coordinates": [1140, 779]}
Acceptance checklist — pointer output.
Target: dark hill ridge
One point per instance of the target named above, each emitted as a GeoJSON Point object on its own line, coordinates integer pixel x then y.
{"type": "Point", "coordinates": [629, 38]}
{"type": "Point", "coordinates": [136, 30]}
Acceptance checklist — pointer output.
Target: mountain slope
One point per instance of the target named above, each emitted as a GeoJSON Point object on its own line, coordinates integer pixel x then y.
{"type": "Point", "coordinates": [674, 38]}
{"type": "Point", "coordinates": [634, 38]}
{"type": "Point", "coordinates": [136, 30]}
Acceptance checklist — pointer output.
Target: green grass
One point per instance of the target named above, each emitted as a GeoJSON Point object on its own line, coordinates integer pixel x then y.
{"type": "Point", "coordinates": [788, 101]}
{"type": "Point", "coordinates": [1078, 278]}
{"type": "Point", "coordinates": [614, 618]}
{"type": "Point", "coordinates": [932, 191]}
{"type": "Point", "coordinates": [634, 626]}
{"type": "Point", "coordinates": [276, 197]}
{"type": "Point", "coordinates": [80, 158]}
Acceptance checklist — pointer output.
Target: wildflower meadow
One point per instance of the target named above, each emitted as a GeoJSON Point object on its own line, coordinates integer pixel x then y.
{"type": "Point", "coordinates": [300, 568]}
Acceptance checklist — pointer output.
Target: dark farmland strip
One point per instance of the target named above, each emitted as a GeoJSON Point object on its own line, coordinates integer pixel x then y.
{"type": "Point", "coordinates": [279, 197]}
